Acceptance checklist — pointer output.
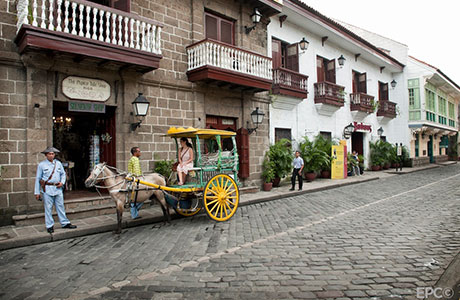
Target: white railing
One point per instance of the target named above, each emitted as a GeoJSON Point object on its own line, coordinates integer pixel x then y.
{"type": "Point", "coordinates": [228, 57]}
{"type": "Point", "coordinates": [92, 21]}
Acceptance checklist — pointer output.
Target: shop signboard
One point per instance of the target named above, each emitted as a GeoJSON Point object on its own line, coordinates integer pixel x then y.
{"type": "Point", "coordinates": [81, 88]}
{"type": "Point", "coordinates": [92, 107]}
{"type": "Point", "coordinates": [339, 160]}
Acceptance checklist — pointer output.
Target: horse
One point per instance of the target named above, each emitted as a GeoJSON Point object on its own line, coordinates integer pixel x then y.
{"type": "Point", "coordinates": [115, 182]}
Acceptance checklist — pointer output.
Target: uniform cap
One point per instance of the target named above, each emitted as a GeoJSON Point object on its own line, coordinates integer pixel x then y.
{"type": "Point", "coordinates": [50, 149]}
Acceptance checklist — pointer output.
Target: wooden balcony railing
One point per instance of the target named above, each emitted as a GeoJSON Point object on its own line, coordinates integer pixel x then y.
{"type": "Point", "coordinates": [290, 83]}
{"type": "Point", "coordinates": [228, 57]}
{"type": "Point", "coordinates": [362, 102]}
{"type": "Point", "coordinates": [387, 109]}
{"type": "Point", "coordinates": [329, 93]}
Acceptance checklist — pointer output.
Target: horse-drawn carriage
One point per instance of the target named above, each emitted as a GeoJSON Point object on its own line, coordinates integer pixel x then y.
{"type": "Point", "coordinates": [211, 185]}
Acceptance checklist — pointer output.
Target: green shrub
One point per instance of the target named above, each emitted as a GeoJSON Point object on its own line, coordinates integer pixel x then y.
{"type": "Point", "coordinates": [314, 158]}
{"type": "Point", "coordinates": [280, 155]}
{"type": "Point", "coordinates": [163, 167]}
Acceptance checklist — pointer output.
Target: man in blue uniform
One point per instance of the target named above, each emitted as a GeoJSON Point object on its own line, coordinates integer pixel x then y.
{"type": "Point", "coordinates": [50, 179]}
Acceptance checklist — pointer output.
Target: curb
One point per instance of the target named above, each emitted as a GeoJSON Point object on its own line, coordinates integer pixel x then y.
{"type": "Point", "coordinates": [450, 279]}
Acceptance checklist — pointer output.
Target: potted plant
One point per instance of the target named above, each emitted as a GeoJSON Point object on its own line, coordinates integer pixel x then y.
{"type": "Point", "coordinates": [164, 167]}
{"type": "Point", "coordinates": [375, 156]}
{"type": "Point", "coordinates": [280, 154]}
{"type": "Point", "coordinates": [325, 145]}
{"type": "Point", "coordinates": [268, 173]}
{"type": "Point", "coordinates": [313, 158]}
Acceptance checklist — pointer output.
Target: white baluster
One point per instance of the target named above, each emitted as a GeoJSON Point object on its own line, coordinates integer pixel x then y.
{"type": "Point", "coordinates": [147, 45]}
{"type": "Point", "coordinates": [213, 54]}
{"type": "Point", "coordinates": [88, 25]}
{"type": "Point", "coordinates": [137, 34]}
{"type": "Point", "coordinates": [74, 18]}
{"type": "Point", "coordinates": [208, 53]}
{"type": "Point", "coordinates": [107, 28]}
{"type": "Point", "coordinates": [101, 25]}
{"type": "Point", "coordinates": [94, 36]}
{"type": "Point", "coordinates": [131, 33]}
{"type": "Point", "coordinates": [143, 36]}
{"type": "Point", "coordinates": [34, 13]}
{"type": "Point", "coordinates": [66, 16]}
{"type": "Point", "coordinates": [81, 12]}
{"type": "Point", "coordinates": [189, 59]}
{"type": "Point", "coordinates": [114, 29]}
{"type": "Point", "coordinates": [58, 18]}
{"type": "Point", "coordinates": [152, 39]}
{"type": "Point", "coordinates": [218, 56]}
{"type": "Point", "coordinates": [120, 26]}
{"type": "Point", "coordinates": [51, 16]}
{"type": "Point", "coordinates": [43, 17]}
{"type": "Point", "coordinates": [126, 32]}
{"type": "Point", "coordinates": [158, 42]}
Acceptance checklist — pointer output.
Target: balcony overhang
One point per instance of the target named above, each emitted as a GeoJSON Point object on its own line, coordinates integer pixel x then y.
{"type": "Point", "coordinates": [329, 97]}
{"type": "Point", "coordinates": [289, 83]}
{"type": "Point", "coordinates": [227, 78]}
{"type": "Point", "coordinates": [268, 8]}
{"type": "Point", "coordinates": [32, 38]}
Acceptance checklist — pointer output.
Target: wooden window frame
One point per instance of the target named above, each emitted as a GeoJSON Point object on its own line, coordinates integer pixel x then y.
{"type": "Point", "coordinates": [328, 70]}
{"type": "Point", "coordinates": [383, 95]}
{"type": "Point", "coordinates": [220, 18]}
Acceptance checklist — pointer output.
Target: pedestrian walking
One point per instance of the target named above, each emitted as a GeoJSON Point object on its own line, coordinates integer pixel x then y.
{"type": "Point", "coordinates": [134, 168]}
{"type": "Point", "coordinates": [355, 163]}
{"type": "Point", "coordinates": [297, 171]}
{"type": "Point", "coordinates": [400, 156]}
{"type": "Point", "coordinates": [49, 184]}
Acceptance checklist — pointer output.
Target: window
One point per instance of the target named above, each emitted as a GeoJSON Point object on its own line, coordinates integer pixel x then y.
{"type": "Point", "coordinates": [285, 55]}
{"type": "Point", "coordinates": [430, 100]}
{"type": "Point", "coordinates": [282, 133]}
{"type": "Point", "coordinates": [442, 106]}
{"type": "Point", "coordinates": [451, 110]}
{"type": "Point", "coordinates": [359, 82]}
{"type": "Point", "coordinates": [325, 69]}
{"type": "Point", "coordinates": [383, 91]}
{"type": "Point", "coordinates": [219, 29]}
{"type": "Point", "coordinates": [417, 143]}
{"type": "Point", "coordinates": [326, 135]}
{"type": "Point", "coordinates": [124, 5]}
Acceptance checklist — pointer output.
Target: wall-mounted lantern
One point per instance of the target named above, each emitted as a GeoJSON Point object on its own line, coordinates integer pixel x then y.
{"type": "Point", "coordinates": [140, 109]}
{"type": "Point", "coordinates": [341, 60]}
{"type": "Point", "coordinates": [348, 130]}
{"type": "Point", "coordinates": [393, 83]}
{"type": "Point", "coordinates": [303, 44]}
{"type": "Point", "coordinates": [255, 17]}
{"type": "Point", "coordinates": [257, 116]}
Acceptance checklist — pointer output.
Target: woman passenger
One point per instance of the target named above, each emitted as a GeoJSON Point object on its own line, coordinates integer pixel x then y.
{"type": "Point", "coordinates": [185, 159]}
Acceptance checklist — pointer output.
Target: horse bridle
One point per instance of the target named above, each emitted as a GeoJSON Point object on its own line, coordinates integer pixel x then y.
{"type": "Point", "coordinates": [99, 168]}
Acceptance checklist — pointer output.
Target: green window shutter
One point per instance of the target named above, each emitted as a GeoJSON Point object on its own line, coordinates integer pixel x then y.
{"type": "Point", "coordinates": [416, 98]}
{"type": "Point", "coordinates": [413, 83]}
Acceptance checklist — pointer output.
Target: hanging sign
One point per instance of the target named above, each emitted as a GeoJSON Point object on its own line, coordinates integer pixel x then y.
{"type": "Point", "coordinates": [86, 88]}
{"type": "Point", "coordinates": [361, 127]}
{"type": "Point", "coordinates": [87, 107]}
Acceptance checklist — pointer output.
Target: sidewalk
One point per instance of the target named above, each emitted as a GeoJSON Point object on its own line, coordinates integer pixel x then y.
{"type": "Point", "coordinates": [19, 236]}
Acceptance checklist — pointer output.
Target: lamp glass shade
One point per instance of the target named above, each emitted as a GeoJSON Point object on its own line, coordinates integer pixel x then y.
{"type": "Point", "coordinates": [349, 129]}
{"type": "Point", "coordinates": [256, 16]}
{"type": "Point", "coordinates": [380, 131]}
{"type": "Point", "coordinates": [303, 44]}
{"type": "Point", "coordinates": [393, 83]}
{"type": "Point", "coordinates": [257, 116]}
{"type": "Point", "coordinates": [341, 60]}
{"type": "Point", "coordinates": [140, 106]}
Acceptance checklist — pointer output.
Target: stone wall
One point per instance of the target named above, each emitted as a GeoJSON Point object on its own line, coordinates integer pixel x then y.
{"type": "Point", "coordinates": [420, 161]}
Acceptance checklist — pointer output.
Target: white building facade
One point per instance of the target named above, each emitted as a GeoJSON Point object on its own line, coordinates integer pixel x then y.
{"type": "Point", "coordinates": [359, 92]}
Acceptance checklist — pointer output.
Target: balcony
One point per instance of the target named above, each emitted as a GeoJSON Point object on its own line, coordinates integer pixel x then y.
{"type": "Point", "coordinates": [289, 83]}
{"type": "Point", "coordinates": [84, 30]}
{"type": "Point", "coordinates": [329, 97]}
{"type": "Point", "coordinates": [211, 61]}
{"type": "Point", "coordinates": [387, 109]}
{"type": "Point", "coordinates": [362, 102]}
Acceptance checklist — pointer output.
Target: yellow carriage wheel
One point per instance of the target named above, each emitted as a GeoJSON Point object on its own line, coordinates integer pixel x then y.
{"type": "Point", "coordinates": [221, 197]}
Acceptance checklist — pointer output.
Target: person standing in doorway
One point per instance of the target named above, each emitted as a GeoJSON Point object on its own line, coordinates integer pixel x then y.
{"type": "Point", "coordinates": [134, 168]}
{"type": "Point", "coordinates": [400, 155]}
{"type": "Point", "coordinates": [297, 172]}
{"type": "Point", "coordinates": [50, 180]}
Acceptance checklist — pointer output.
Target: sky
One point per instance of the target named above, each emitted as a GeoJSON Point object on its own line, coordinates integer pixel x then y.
{"type": "Point", "coordinates": [431, 29]}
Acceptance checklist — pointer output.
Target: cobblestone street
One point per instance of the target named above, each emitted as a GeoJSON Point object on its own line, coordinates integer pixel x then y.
{"type": "Point", "coordinates": [372, 240]}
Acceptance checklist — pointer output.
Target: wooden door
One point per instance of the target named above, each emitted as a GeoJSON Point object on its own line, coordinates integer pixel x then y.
{"type": "Point", "coordinates": [320, 73]}
{"type": "Point", "coordinates": [276, 54]}
{"type": "Point", "coordinates": [292, 57]}
{"type": "Point", "coordinates": [330, 71]}
{"type": "Point", "coordinates": [242, 144]}
{"type": "Point", "coordinates": [362, 85]}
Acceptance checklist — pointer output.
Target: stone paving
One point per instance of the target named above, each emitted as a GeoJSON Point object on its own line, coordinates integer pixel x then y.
{"type": "Point", "coordinates": [371, 240]}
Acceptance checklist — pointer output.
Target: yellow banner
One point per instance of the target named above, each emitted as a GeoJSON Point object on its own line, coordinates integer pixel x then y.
{"type": "Point", "coordinates": [338, 155]}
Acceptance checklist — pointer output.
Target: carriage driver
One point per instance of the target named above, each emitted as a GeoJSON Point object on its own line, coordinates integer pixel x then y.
{"type": "Point", "coordinates": [134, 168]}
{"type": "Point", "coordinates": [50, 179]}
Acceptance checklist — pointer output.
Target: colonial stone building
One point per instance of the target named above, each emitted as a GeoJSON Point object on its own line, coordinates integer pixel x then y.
{"type": "Point", "coordinates": [70, 70]}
